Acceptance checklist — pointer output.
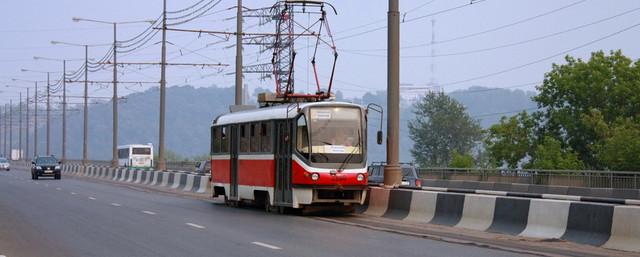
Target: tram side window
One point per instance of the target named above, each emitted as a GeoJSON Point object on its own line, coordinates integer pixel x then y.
{"type": "Point", "coordinates": [216, 139]}
{"type": "Point", "coordinates": [302, 137]}
{"type": "Point", "coordinates": [254, 133]}
{"type": "Point", "coordinates": [224, 139]}
{"type": "Point", "coordinates": [265, 137]}
{"type": "Point", "coordinates": [244, 138]}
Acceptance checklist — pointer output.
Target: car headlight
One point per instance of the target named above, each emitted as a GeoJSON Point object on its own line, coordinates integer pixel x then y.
{"type": "Point", "coordinates": [315, 176]}
{"type": "Point", "coordinates": [360, 177]}
{"type": "Point", "coordinates": [38, 168]}
{"type": "Point", "coordinates": [57, 167]}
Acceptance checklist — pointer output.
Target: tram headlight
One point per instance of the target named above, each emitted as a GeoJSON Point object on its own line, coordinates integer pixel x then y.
{"type": "Point", "coordinates": [360, 177]}
{"type": "Point", "coordinates": [315, 176]}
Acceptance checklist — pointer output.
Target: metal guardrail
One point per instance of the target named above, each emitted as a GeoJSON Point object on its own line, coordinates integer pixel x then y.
{"type": "Point", "coordinates": [572, 178]}
{"type": "Point", "coordinates": [189, 166]}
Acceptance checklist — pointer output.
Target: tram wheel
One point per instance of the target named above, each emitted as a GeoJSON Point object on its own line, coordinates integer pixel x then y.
{"type": "Point", "coordinates": [267, 205]}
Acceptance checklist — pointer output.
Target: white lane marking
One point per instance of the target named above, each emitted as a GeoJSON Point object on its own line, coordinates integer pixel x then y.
{"type": "Point", "coordinates": [91, 198]}
{"type": "Point", "coordinates": [149, 212]}
{"type": "Point", "coordinates": [267, 245]}
{"type": "Point", "coordinates": [116, 204]}
{"type": "Point", "coordinates": [2, 256]}
{"type": "Point", "coordinates": [57, 188]}
{"type": "Point", "coordinates": [37, 183]}
{"type": "Point", "coordinates": [73, 193]}
{"type": "Point", "coordinates": [194, 225]}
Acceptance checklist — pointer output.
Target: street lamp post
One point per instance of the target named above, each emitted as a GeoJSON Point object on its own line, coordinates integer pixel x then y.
{"type": "Point", "coordinates": [114, 100]}
{"type": "Point", "coordinates": [48, 102]}
{"type": "Point", "coordinates": [64, 100]}
{"type": "Point", "coordinates": [35, 121]}
{"type": "Point", "coordinates": [20, 128]}
{"type": "Point", "coordinates": [86, 96]}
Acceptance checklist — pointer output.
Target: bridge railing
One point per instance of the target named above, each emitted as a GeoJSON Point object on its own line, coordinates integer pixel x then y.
{"type": "Point", "coordinates": [177, 165]}
{"type": "Point", "coordinates": [572, 178]}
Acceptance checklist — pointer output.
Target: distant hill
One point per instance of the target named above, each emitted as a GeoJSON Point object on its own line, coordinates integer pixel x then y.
{"type": "Point", "coordinates": [190, 112]}
{"type": "Point", "coordinates": [489, 104]}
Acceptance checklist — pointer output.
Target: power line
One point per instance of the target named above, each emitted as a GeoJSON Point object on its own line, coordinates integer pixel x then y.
{"type": "Point", "coordinates": [414, 19]}
{"type": "Point", "coordinates": [501, 27]}
{"type": "Point", "coordinates": [543, 59]}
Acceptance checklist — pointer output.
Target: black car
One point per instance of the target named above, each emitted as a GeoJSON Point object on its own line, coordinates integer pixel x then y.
{"type": "Point", "coordinates": [409, 175]}
{"type": "Point", "coordinates": [4, 164]}
{"type": "Point", "coordinates": [45, 166]}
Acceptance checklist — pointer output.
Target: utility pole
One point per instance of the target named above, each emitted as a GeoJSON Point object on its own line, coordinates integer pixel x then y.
{"type": "Point", "coordinates": [35, 122]}
{"type": "Point", "coordinates": [86, 107]}
{"type": "Point", "coordinates": [20, 128]}
{"type": "Point", "coordinates": [48, 115]}
{"type": "Point", "coordinates": [4, 131]}
{"type": "Point", "coordinates": [392, 171]}
{"type": "Point", "coordinates": [114, 147]}
{"type": "Point", "coordinates": [27, 123]}
{"type": "Point", "coordinates": [64, 110]}
{"type": "Point", "coordinates": [239, 54]}
{"type": "Point", "coordinates": [161, 162]}
{"type": "Point", "coordinates": [10, 128]}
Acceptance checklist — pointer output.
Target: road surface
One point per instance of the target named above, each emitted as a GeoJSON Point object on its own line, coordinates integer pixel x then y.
{"type": "Point", "coordinates": [76, 217]}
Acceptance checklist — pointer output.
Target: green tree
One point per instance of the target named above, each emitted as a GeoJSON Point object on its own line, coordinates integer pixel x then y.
{"type": "Point", "coordinates": [550, 155]}
{"type": "Point", "coordinates": [570, 92]}
{"type": "Point", "coordinates": [620, 150]}
{"type": "Point", "coordinates": [511, 140]}
{"type": "Point", "coordinates": [441, 126]}
{"type": "Point", "coordinates": [463, 161]}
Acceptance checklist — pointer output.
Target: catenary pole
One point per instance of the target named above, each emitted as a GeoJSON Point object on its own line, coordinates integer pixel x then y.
{"type": "Point", "coordinates": [392, 172]}
{"type": "Point", "coordinates": [238, 100]}
{"type": "Point", "coordinates": [163, 83]}
{"type": "Point", "coordinates": [114, 147]}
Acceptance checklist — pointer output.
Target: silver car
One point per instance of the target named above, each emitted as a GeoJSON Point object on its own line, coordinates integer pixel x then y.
{"type": "Point", "coordinates": [4, 164]}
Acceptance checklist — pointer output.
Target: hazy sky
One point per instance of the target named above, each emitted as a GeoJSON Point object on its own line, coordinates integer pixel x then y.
{"type": "Point", "coordinates": [476, 44]}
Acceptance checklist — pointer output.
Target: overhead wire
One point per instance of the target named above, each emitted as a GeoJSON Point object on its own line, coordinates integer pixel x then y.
{"type": "Point", "coordinates": [544, 58]}
{"type": "Point", "coordinates": [509, 44]}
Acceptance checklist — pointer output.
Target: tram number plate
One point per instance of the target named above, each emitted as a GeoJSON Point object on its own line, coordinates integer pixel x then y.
{"type": "Point", "coordinates": [339, 177]}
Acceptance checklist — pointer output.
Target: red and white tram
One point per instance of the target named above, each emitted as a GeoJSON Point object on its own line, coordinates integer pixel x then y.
{"type": "Point", "coordinates": [296, 155]}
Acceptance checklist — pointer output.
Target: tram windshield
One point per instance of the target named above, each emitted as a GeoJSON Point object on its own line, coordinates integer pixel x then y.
{"type": "Point", "coordinates": [336, 135]}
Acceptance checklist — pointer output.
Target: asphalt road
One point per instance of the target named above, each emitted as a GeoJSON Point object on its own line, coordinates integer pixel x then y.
{"type": "Point", "coordinates": [74, 217]}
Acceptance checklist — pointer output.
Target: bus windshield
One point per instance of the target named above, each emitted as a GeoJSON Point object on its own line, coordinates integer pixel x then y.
{"type": "Point", "coordinates": [336, 135]}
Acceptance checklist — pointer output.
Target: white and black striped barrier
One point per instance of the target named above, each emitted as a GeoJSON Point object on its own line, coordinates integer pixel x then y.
{"type": "Point", "coordinates": [558, 196]}
{"type": "Point", "coordinates": [180, 181]}
{"type": "Point", "coordinates": [607, 225]}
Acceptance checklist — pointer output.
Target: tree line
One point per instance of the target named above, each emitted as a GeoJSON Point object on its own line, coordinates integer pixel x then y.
{"type": "Point", "coordinates": [588, 117]}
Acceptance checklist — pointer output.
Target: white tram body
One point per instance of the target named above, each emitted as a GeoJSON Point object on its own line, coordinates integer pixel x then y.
{"type": "Point", "coordinates": [292, 155]}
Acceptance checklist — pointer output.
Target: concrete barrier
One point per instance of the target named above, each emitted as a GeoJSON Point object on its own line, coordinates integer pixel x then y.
{"type": "Point", "coordinates": [188, 185]}
{"type": "Point", "coordinates": [399, 204]}
{"type": "Point", "coordinates": [448, 209]}
{"type": "Point", "coordinates": [477, 213]}
{"type": "Point", "coordinates": [150, 175]}
{"type": "Point", "coordinates": [140, 176]}
{"type": "Point", "coordinates": [423, 206]}
{"type": "Point", "coordinates": [589, 223]}
{"type": "Point", "coordinates": [378, 201]}
{"type": "Point", "coordinates": [510, 215]}
{"type": "Point", "coordinates": [547, 219]}
{"type": "Point", "coordinates": [625, 229]}
{"type": "Point", "coordinates": [167, 179]}
{"type": "Point", "coordinates": [178, 180]}
{"type": "Point", "coordinates": [205, 185]}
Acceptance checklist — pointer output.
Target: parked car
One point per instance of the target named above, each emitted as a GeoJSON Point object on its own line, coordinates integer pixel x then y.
{"type": "Point", "coordinates": [47, 166]}
{"type": "Point", "coordinates": [4, 164]}
{"type": "Point", "coordinates": [409, 175]}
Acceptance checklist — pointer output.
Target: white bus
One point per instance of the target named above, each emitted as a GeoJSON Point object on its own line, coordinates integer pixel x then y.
{"type": "Point", "coordinates": [135, 156]}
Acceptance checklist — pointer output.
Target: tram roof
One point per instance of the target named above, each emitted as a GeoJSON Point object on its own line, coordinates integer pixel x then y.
{"type": "Point", "coordinates": [271, 113]}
